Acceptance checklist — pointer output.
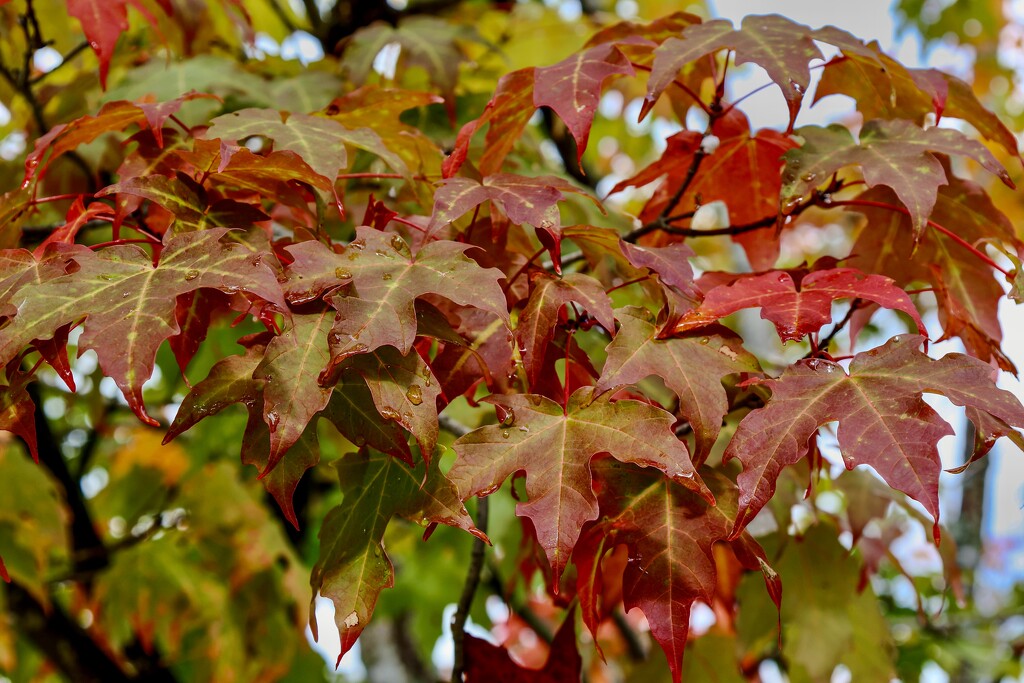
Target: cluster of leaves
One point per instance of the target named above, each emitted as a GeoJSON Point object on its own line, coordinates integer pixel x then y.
{"type": "Point", "coordinates": [388, 272]}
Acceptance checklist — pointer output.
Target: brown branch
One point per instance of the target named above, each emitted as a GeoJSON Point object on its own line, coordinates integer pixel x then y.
{"type": "Point", "coordinates": [64, 643]}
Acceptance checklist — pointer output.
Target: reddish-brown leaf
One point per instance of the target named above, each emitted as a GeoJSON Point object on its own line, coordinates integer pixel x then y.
{"type": "Point", "coordinates": [524, 199]}
{"type": "Point", "coordinates": [670, 533]}
{"type": "Point", "coordinates": [17, 411]}
{"type": "Point", "coordinates": [508, 112]}
{"type": "Point", "coordinates": [780, 46]}
{"type": "Point", "coordinates": [798, 311]}
{"type": "Point", "coordinates": [572, 88]}
{"type": "Point", "coordinates": [693, 367]}
{"type": "Point", "coordinates": [554, 447]}
{"type": "Point", "coordinates": [378, 308]}
{"type": "Point", "coordinates": [486, 663]}
{"type": "Point", "coordinates": [968, 291]}
{"type": "Point", "coordinates": [897, 154]}
{"type": "Point", "coordinates": [536, 326]}
{"type": "Point", "coordinates": [129, 303]}
{"type": "Point", "coordinates": [744, 171]}
{"type": "Point", "coordinates": [883, 421]}
{"type": "Point", "coordinates": [112, 116]}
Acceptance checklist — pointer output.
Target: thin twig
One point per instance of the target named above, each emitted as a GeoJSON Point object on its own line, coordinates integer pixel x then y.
{"type": "Point", "coordinates": [476, 564]}
{"type": "Point", "coordinates": [71, 54]}
{"type": "Point", "coordinates": [823, 343]}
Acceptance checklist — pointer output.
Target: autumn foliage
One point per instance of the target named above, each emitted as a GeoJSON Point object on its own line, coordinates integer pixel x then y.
{"type": "Point", "coordinates": [411, 276]}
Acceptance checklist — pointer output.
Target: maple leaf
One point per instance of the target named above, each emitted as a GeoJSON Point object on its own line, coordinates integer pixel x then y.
{"type": "Point", "coordinates": [572, 88]}
{"type": "Point", "coordinates": [489, 663]}
{"type": "Point", "coordinates": [884, 88]}
{"type": "Point", "coordinates": [554, 448]}
{"type": "Point", "coordinates": [536, 326]}
{"type": "Point", "coordinates": [317, 140]}
{"type": "Point", "coordinates": [386, 279]}
{"type": "Point", "coordinates": [427, 42]}
{"type": "Point", "coordinates": [103, 22]}
{"type": "Point", "coordinates": [883, 421]}
{"type": "Point", "coordinates": [403, 389]}
{"type": "Point", "coordinates": [17, 410]}
{"type": "Point", "coordinates": [670, 262]}
{"type": "Point", "coordinates": [507, 112]}
{"type": "Point", "coordinates": [378, 110]}
{"type": "Point", "coordinates": [524, 199]}
{"type": "Point", "coordinates": [897, 154]}
{"type": "Point", "coordinates": [741, 154]}
{"type": "Point", "coordinates": [968, 295]}
{"type": "Point", "coordinates": [353, 568]}
{"type": "Point", "coordinates": [779, 45]}
{"type": "Point", "coordinates": [670, 533]}
{"type": "Point", "coordinates": [798, 311]}
{"type": "Point", "coordinates": [692, 367]}
{"type": "Point", "coordinates": [188, 202]}
{"type": "Point", "coordinates": [129, 303]}
{"type": "Point", "coordinates": [112, 116]}
{"type": "Point", "coordinates": [290, 369]}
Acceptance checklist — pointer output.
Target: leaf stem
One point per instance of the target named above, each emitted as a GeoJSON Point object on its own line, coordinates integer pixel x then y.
{"type": "Point", "coordinates": [476, 564]}
{"type": "Point", "coordinates": [626, 284]}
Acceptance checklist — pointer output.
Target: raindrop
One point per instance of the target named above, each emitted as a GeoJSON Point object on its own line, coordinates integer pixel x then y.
{"type": "Point", "coordinates": [108, 277]}
{"type": "Point", "coordinates": [399, 245]}
{"type": "Point", "coordinates": [897, 339]}
{"type": "Point", "coordinates": [797, 87]}
{"type": "Point", "coordinates": [808, 177]}
{"type": "Point", "coordinates": [342, 274]}
{"type": "Point", "coordinates": [125, 295]}
{"type": "Point", "coordinates": [358, 245]}
{"type": "Point", "coordinates": [415, 394]}
{"type": "Point", "coordinates": [506, 415]}
{"type": "Point", "coordinates": [385, 276]}
{"type": "Point", "coordinates": [256, 260]}
{"type": "Point", "coordinates": [273, 419]}
{"type": "Point", "coordinates": [505, 433]}
{"type": "Point", "coordinates": [281, 279]}
{"type": "Point", "coordinates": [389, 413]}
{"type": "Point", "coordinates": [192, 275]}
{"type": "Point", "coordinates": [704, 341]}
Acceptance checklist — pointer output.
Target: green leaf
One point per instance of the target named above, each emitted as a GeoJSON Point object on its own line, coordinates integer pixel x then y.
{"type": "Point", "coordinates": [353, 568]}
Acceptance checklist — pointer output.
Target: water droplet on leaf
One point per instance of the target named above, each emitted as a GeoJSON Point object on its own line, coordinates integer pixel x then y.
{"type": "Point", "coordinates": [505, 433]}
{"type": "Point", "coordinates": [342, 274]}
{"type": "Point", "coordinates": [415, 394]}
{"type": "Point", "coordinates": [273, 419]}
{"type": "Point", "coordinates": [385, 276]}
{"type": "Point", "coordinates": [191, 275]}
{"type": "Point", "coordinates": [506, 416]}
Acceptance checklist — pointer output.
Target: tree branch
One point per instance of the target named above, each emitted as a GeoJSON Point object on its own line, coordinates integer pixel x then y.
{"type": "Point", "coordinates": [66, 645]}
{"type": "Point", "coordinates": [476, 564]}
